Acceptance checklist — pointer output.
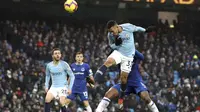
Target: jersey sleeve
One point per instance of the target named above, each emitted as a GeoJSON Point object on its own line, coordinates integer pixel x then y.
{"type": "Point", "coordinates": [139, 55]}
{"type": "Point", "coordinates": [70, 73]}
{"type": "Point", "coordinates": [47, 77]}
{"type": "Point", "coordinates": [89, 71]}
{"type": "Point", "coordinates": [134, 28]}
{"type": "Point", "coordinates": [111, 42]}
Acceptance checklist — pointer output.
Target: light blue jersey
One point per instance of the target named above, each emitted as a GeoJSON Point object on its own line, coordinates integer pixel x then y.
{"type": "Point", "coordinates": [59, 74]}
{"type": "Point", "coordinates": [127, 48]}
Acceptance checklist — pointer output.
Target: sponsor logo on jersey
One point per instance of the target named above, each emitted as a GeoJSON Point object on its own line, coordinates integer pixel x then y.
{"type": "Point", "coordinates": [82, 69]}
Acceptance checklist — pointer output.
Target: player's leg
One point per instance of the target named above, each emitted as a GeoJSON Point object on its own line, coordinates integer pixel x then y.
{"type": "Point", "coordinates": [113, 59]}
{"type": "Point", "coordinates": [62, 103]}
{"type": "Point", "coordinates": [144, 95]}
{"type": "Point", "coordinates": [87, 106]}
{"type": "Point", "coordinates": [110, 94]}
{"type": "Point", "coordinates": [84, 98]}
{"type": "Point", "coordinates": [62, 96]}
{"type": "Point", "coordinates": [141, 90]}
{"type": "Point", "coordinates": [49, 97]}
{"type": "Point", "coordinates": [69, 98]}
{"type": "Point", "coordinates": [126, 65]}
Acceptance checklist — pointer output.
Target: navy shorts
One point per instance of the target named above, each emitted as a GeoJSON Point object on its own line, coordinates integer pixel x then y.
{"type": "Point", "coordinates": [83, 96]}
{"type": "Point", "coordinates": [134, 88]}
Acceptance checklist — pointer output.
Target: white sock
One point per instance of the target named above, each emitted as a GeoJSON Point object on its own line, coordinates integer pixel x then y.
{"type": "Point", "coordinates": [152, 106]}
{"type": "Point", "coordinates": [66, 106]}
{"type": "Point", "coordinates": [89, 109]}
{"type": "Point", "coordinates": [103, 104]}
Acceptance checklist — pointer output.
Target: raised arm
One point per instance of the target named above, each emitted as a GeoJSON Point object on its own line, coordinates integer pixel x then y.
{"type": "Point", "coordinates": [139, 55]}
{"type": "Point", "coordinates": [134, 28]}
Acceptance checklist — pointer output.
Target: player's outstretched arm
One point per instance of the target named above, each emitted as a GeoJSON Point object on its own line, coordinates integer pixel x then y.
{"type": "Point", "coordinates": [139, 55]}
{"type": "Point", "coordinates": [47, 78]}
{"type": "Point", "coordinates": [134, 28]}
{"type": "Point", "coordinates": [150, 29]}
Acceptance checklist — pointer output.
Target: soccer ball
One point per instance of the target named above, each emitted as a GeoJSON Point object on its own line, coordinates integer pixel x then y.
{"type": "Point", "coordinates": [70, 6]}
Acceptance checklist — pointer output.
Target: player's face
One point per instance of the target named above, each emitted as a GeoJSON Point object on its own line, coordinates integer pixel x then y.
{"type": "Point", "coordinates": [56, 55]}
{"type": "Point", "coordinates": [79, 58]}
{"type": "Point", "coordinates": [114, 30]}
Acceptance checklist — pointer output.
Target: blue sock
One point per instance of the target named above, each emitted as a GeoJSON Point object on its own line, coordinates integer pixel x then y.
{"type": "Point", "coordinates": [47, 107]}
{"type": "Point", "coordinates": [100, 71]}
{"type": "Point", "coordinates": [123, 89]}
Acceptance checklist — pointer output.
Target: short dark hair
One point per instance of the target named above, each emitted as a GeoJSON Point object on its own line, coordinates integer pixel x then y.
{"type": "Point", "coordinates": [111, 23]}
{"type": "Point", "coordinates": [55, 49]}
{"type": "Point", "coordinates": [79, 52]}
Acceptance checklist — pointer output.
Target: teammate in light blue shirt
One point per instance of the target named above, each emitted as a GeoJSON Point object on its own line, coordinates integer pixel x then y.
{"type": "Point", "coordinates": [58, 70]}
{"type": "Point", "coordinates": [83, 74]}
{"type": "Point", "coordinates": [121, 40]}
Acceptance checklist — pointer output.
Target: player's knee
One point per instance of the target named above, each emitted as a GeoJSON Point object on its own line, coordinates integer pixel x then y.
{"type": "Point", "coordinates": [123, 78]}
{"type": "Point", "coordinates": [145, 96]}
{"type": "Point", "coordinates": [86, 103]}
{"type": "Point", "coordinates": [48, 97]}
{"type": "Point", "coordinates": [108, 95]}
{"type": "Point", "coordinates": [67, 101]}
{"type": "Point", "coordinates": [47, 100]}
{"type": "Point", "coordinates": [109, 62]}
{"type": "Point", "coordinates": [62, 101]}
{"type": "Point", "coordinates": [147, 100]}
{"type": "Point", "coordinates": [111, 93]}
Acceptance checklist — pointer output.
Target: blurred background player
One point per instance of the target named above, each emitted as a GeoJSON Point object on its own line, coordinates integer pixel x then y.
{"type": "Point", "coordinates": [135, 85]}
{"type": "Point", "coordinates": [121, 40]}
{"type": "Point", "coordinates": [83, 74]}
{"type": "Point", "coordinates": [58, 70]}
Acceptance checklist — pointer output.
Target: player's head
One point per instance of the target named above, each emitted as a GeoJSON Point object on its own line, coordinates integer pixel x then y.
{"type": "Point", "coordinates": [56, 54]}
{"type": "Point", "coordinates": [112, 27]}
{"type": "Point", "coordinates": [79, 57]}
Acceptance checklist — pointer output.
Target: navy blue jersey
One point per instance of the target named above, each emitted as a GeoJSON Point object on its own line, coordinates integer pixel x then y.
{"type": "Point", "coordinates": [81, 72]}
{"type": "Point", "coordinates": [135, 76]}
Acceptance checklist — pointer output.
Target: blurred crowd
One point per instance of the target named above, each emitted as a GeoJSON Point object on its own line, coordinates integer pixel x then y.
{"type": "Point", "coordinates": [172, 62]}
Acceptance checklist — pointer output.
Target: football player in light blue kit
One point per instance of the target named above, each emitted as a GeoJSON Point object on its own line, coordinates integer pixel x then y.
{"type": "Point", "coordinates": [58, 70]}
{"type": "Point", "coordinates": [83, 74]}
{"type": "Point", "coordinates": [121, 40]}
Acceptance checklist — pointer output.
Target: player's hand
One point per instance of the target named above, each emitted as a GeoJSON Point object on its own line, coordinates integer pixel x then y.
{"type": "Point", "coordinates": [69, 91]}
{"type": "Point", "coordinates": [90, 85]}
{"type": "Point", "coordinates": [46, 90]}
{"type": "Point", "coordinates": [151, 29]}
{"type": "Point", "coordinates": [118, 41]}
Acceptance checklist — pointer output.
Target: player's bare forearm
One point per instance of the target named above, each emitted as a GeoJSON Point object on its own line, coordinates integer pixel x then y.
{"type": "Point", "coordinates": [90, 80]}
